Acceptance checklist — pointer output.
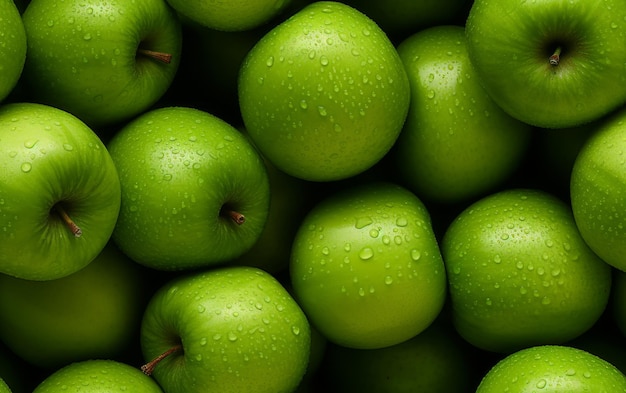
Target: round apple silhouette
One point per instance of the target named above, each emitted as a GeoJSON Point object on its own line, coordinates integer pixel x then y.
{"type": "Point", "coordinates": [324, 94]}
{"type": "Point", "coordinates": [552, 368]}
{"type": "Point", "coordinates": [520, 274]}
{"type": "Point", "coordinates": [366, 267]}
{"type": "Point", "coordinates": [13, 47]}
{"type": "Point", "coordinates": [103, 62]}
{"type": "Point", "coordinates": [195, 192]}
{"type": "Point", "coordinates": [232, 329]}
{"type": "Point", "coordinates": [550, 63]}
{"type": "Point", "coordinates": [93, 313]}
{"type": "Point", "coordinates": [98, 375]}
{"type": "Point", "coordinates": [234, 15]}
{"type": "Point", "coordinates": [445, 94]}
{"type": "Point", "coordinates": [59, 192]}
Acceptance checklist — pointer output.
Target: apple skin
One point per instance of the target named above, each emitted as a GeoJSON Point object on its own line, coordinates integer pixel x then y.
{"type": "Point", "coordinates": [93, 313]}
{"type": "Point", "coordinates": [97, 376]}
{"type": "Point", "coordinates": [324, 94]}
{"type": "Point", "coordinates": [52, 159]}
{"type": "Point", "coordinates": [598, 190]}
{"type": "Point", "coordinates": [12, 48]}
{"type": "Point", "coordinates": [553, 368]}
{"type": "Point", "coordinates": [240, 330]}
{"type": "Point", "coordinates": [366, 267]}
{"type": "Point", "coordinates": [82, 56]}
{"type": "Point", "coordinates": [510, 43]}
{"type": "Point", "coordinates": [520, 274]}
{"type": "Point", "coordinates": [180, 169]}
{"type": "Point", "coordinates": [456, 143]}
{"type": "Point", "coordinates": [234, 15]}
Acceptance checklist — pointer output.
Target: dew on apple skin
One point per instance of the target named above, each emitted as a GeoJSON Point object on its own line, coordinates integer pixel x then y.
{"type": "Point", "coordinates": [366, 253]}
{"type": "Point", "coordinates": [26, 167]}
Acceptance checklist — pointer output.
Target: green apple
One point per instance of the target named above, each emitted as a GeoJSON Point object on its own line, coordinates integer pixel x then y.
{"type": "Point", "coordinates": [12, 47]}
{"type": "Point", "coordinates": [520, 274]}
{"type": "Point", "coordinates": [195, 192]}
{"type": "Point", "coordinates": [102, 61]}
{"type": "Point", "coordinates": [324, 94]}
{"type": "Point", "coordinates": [97, 376]}
{"type": "Point", "coordinates": [59, 192]}
{"type": "Point", "coordinates": [424, 363]}
{"type": "Point", "coordinates": [233, 15]}
{"type": "Point", "coordinates": [550, 63]}
{"type": "Point", "coordinates": [598, 190]}
{"type": "Point", "coordinates": [366, 267]}
{"type": "Point", "coordinates": [456, 143]}
{"type": "Point", "coordinates": [93, 313]}
{"type": "Point", "coordinates": [233, 329]}
{"type": "Point", "coordinates": [553, 368]}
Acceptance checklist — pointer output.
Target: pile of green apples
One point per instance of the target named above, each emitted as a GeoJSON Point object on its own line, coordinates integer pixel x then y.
{"type": "Point", "coordinates": [312, 196]}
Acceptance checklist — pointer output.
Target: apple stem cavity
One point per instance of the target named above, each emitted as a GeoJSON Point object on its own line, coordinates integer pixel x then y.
{"type": "Point", "coordinates": [148, 368]}
{"type": "Point", "coordinates": [237, 217]}
{"type": "Point", "coordinates": [75, 229]}
{"type": "Point", "coordinates": [555, 58]}
{"type": "Point", "coordinates": [160, 56]}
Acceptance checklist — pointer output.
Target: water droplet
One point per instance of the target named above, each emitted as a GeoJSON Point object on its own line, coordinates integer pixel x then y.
{"type": "Point", "coordinates": [415, 255]}
{"type": "Point", "coordinates": [325, 251]}
{"type": "Point", "coordinates": [87, 37]}
{"type": "Point", "coordinates": [26, 167]}
{"type": "Point", "coordinates": [362, 222]}
{"type": "Point", "coordinates": [50, 23]}
{"type": "Point", "coordinates": [374, 233]}
{"type": "Point", "coordinates": [303, 104]}
{"type": "Point", "coordinates": [570, 372]}
{"type": "Point", "coordinates": [388, 280]}
{"type": "Point", "coordinates": [217, 337]}
{"type": "Point", "coordinates": [322, 111]}
{"type": "Point", "coordinates": [232, 337]}
{"type": "Point", "coordinates": [29, 144]}
{"type": "Point", "coordinates": [295, 330]}
{"type": "Point", "coordinates": [541, 384]}
{"type": "Point", "coordinates": [203, 341]}
{"type": "Point", "coordinates": [68, 147]}
{"type": "Point", "coordinates": [366, 253]}
{"type": "Point", "coordinates": [270, 61]}
{"type": "Point", "coordinates": [323, 60]}
{"type": "Point", "coordinates": [402, 222]}
{"type": "Point", "coordinates": [430, 94]}
{"type": "Point", "coordinates": [201, 308]}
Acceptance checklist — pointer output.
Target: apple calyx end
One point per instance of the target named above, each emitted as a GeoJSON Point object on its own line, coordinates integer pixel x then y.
{"type": "Point", "coordinates": [148, 368]}
{"type": "Point", "coordinates": [555, 58]}
{"type": "Point", "coordinates": [75, 229]}
{"type": "Point", "coordinates": [160, 56]}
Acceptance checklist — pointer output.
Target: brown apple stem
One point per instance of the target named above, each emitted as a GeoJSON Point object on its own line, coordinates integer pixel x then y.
{"type": "Point", "coordinates": [556, 57]}
{"type": "Point", "coordinates": [148, 368]}
{"type": "Point", "coordinates": [75, 229]}
{"type": "Point", "coordinates": [160, 56]}
{"type": "Point", "coordinates": [237, 217]}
